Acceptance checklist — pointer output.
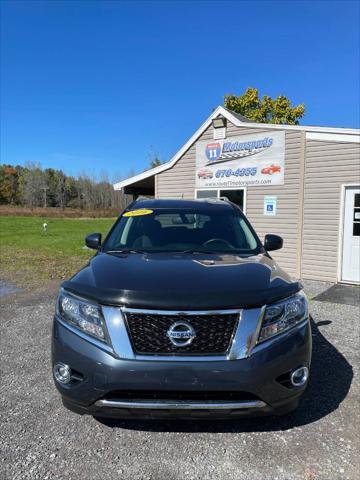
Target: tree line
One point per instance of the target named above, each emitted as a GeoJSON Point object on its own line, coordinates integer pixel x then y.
{"type": "Point", "coordinates": [33, 186]}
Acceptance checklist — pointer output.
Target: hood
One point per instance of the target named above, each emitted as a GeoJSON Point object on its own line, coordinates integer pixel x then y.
{"type": "Point", "coordinates": [180, 281]}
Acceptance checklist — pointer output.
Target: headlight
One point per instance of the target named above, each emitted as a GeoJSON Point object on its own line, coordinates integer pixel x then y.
{"type": "Point", "coordinates": [81, 314]}
{"type": "Point", "coordinates": [283, 315]}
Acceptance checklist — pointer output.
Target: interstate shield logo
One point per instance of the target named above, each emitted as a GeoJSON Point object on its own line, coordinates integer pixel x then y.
{"type": "Point", "coordinates": [212, 151]}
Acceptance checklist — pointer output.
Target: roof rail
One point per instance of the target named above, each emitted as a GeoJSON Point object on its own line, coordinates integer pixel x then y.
{"type": "Point", "coordinates": [224, 199]}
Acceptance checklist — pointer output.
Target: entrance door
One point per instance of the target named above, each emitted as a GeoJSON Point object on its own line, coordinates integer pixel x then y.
{"type": "Point", "coordinates": [235, 196]}
{"type": "Point", "coordinates": [351, 236]}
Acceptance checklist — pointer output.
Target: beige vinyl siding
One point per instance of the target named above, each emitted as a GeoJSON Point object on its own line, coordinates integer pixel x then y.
{"type": "Point", "coordinates": [179, 182]}
{"type": "Point", "coordinates": [287, 222]}
{"type": "Point", "coordinates": [232, 131]}
{"type": "Point", "coordinates": [329, 165]}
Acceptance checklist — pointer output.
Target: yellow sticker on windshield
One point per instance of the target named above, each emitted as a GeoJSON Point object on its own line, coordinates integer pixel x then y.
{"type": "Point", "coordinates": [138, 213]}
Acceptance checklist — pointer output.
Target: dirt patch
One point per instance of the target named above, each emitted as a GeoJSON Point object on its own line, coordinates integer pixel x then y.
{"type": "Point", "coordinates": [26, 297]}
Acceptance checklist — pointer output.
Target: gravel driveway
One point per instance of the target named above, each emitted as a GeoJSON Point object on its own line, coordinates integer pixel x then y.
{"type": "Point", "coordinates": [42, 440]}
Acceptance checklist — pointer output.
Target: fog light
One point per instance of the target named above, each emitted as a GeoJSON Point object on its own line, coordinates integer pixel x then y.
{"type": "Point", "coordinates": [299, 376]}
{"type": "Point", "coordinates": [62, 373]}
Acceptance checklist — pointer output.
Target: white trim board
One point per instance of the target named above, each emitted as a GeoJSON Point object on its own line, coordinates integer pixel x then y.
{"type": "Point", "coordinates": [343, 188]}
{"type": "Point", "coordinates": [333, 137]}
{"type": "Point", "coordinates": [346, 134]}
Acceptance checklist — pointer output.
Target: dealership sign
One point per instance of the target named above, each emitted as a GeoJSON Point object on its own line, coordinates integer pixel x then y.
{"type": "Point", "coordinates": [255, 160]}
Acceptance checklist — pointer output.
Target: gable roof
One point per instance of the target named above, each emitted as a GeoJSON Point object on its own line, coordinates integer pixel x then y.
{"type": "Point", "coordinates": [238, 116]}
{"type": "Point", "coordinates": [316, 133]}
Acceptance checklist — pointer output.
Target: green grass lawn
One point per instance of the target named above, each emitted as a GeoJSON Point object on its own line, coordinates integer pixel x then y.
{"type": "Point", "coordinates": [29, 257]}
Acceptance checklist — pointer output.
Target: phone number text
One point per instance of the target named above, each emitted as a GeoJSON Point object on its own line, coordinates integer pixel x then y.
{"type": "Point", "coordinates": [239, 172]}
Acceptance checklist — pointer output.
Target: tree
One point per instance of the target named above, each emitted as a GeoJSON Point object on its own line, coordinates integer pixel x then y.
{"type": "Point", "coordinates": [153, 159]}
{"type": "Point", "coordinates": [9, 184]}
{"type": "Point", "coordinates": [34, 188]}
{"type": "Point", "coordinates": [60, 189]}
{"type": "Point", "coordinates": [155, 162]}
{"type": "Point", "coordinates": [51, 182]}
{"type": "Point", "coordinates": [266, 110]}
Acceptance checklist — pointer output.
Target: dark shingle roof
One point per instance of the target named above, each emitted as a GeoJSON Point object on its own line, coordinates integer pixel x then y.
{"type": "Point", "coordinates": [238, 116]}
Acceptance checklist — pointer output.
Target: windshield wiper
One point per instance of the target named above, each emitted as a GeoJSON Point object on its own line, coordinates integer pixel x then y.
{"type": "Point", "coordinates": [211, 252]}
{"type": "Point", "coordinates": [131, 250]}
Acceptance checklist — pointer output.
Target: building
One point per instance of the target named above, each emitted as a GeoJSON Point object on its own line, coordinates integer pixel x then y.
{"type": "Point", "coordinates": [300, 182]}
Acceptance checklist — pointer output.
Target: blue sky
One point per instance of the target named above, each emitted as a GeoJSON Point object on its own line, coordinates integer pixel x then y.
{"type": "Point", "coordinates": [92, 85]}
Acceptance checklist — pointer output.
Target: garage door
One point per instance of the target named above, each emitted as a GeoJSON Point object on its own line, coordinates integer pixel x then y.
{"type": "Point", "coordinates": [351, 236]}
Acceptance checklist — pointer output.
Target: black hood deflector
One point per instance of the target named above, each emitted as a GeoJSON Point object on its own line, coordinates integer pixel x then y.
{"type": "Point", "coordinates": [182, 281]}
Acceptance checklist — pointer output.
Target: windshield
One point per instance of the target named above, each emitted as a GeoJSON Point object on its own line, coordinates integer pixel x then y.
{"type": "Point", "coordinates": [161, 230]}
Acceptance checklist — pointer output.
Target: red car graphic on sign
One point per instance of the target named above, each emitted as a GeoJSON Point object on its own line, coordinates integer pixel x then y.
{"type": "Point", "coordinates": [205, 173]}
{"type": "Point", "coordinates": [270, 170]}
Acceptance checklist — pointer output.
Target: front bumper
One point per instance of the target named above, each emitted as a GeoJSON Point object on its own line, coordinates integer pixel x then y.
{"type": "Point", "coordinates": [103, 382]}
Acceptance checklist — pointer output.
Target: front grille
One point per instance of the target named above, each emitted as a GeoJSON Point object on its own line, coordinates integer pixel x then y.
{"type": "Point", "coordinates": [148, 333]}
{"type": "Point", "coordinates": [188, 396]}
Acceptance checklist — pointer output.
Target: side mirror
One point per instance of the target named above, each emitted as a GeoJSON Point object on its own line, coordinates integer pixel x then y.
{"type": "Point", "coordinates": [273, 242]}
{"type": "Point", "coordinates": [93, 241]}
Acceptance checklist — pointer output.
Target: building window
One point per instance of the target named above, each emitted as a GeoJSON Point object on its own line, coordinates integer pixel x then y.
{"type": "Point", "coordinates": [236, 196]}
{"type": "Point", "coordinates": [206, 194]}
{"type": "Point", "coordinates": [356, 220]}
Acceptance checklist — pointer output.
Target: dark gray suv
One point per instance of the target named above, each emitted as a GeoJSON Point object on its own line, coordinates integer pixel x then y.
{"type": "Point", "coordinates": [181, 312]}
